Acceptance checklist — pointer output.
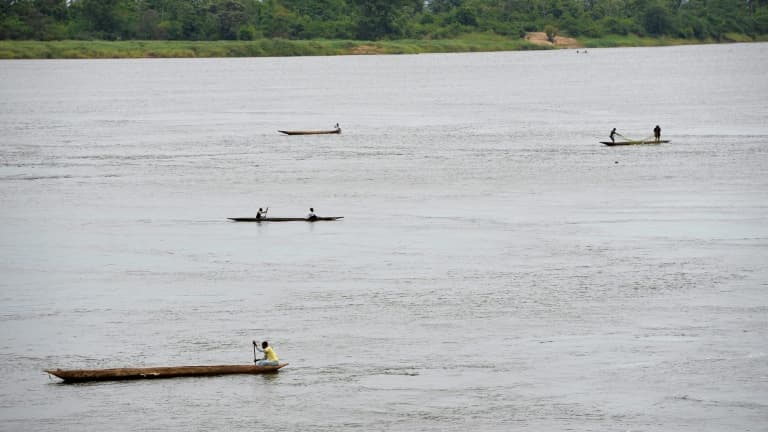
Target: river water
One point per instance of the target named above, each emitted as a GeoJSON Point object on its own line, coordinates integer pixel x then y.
{"type": "Point", "coordinates": [496, 268]}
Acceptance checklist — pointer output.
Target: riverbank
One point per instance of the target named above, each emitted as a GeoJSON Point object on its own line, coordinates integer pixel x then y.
{"type": "Point", "coordinates": [636, 41]}
{"type": "Point", "coordinates": [72, 49]}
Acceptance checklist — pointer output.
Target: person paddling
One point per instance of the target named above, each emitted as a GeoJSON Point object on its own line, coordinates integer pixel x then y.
{"type": "Point", "coordinates": [261, 214]}
{"type": "Point", "coordinates": [311, 215]}
{"type": "Point", "coordinates": [657, 133]}
{"type": "Point", "coordinates": [270, 357]}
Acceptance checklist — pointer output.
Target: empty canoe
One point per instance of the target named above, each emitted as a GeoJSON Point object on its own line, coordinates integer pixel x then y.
{"type": "Point", "coordinates": [317, 132]}
{"type": "Point", "coordinates": [84, 375]}
{"type": "Point", "coordinates": [274, 219]}
{"type": "Point", "coordinates": [618, 143]}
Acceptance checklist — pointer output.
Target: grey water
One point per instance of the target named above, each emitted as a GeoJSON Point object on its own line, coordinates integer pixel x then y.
{"type": "Point", "coordinates": [497, 268]}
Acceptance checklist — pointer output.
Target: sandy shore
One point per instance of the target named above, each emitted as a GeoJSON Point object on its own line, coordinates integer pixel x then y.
{"type": "Point", "coordinates": [540, 38]}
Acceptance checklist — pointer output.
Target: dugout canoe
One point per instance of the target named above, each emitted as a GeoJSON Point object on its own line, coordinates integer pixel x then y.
{"type": "Point", "coordinates": [118, 374]}
{"type": "Point", "coordinates": [284, 219]}
{"type": "Point", "coordinates": [316, 132]}
{"type": "Point", "coordinates": [618, 143]}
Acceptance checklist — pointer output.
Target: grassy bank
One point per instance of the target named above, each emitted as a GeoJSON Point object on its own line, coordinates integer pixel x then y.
{"type": "Point", "coordinates": [636, 41]}
{"type": "Point", "coordinates": [282, 48]}
{"type": "Point", "coordinates": [259, 48]}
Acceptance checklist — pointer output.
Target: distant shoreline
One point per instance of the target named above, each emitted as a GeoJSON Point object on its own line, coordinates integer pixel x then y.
{"type": "Point", "coordinates": [76, 49]}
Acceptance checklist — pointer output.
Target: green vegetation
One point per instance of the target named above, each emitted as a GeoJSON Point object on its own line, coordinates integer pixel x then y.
{"type": "Point", "coordinates": [145, 28]}
{"type": "Point", "coordinates": [258, 48]}
{"type": "Point", "coordinates": [551, 32]}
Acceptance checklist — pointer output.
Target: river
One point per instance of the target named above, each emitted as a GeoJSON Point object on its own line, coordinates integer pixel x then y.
{"type": "Point", "coordinates": [497, 268]}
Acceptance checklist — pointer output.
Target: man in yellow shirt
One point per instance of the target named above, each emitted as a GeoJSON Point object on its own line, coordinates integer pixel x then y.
{"type": "Point", "coordinates": [270, 356]}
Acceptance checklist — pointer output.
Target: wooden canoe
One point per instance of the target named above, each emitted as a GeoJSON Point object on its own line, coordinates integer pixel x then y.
{"type": "Point", "coordinates": [85, 375]}
{"type": "Point", "coordinates": [618, 143]}
{"type": "Point", "coordinates": [317, 132]}
{"type": "Point", "coordinates": [284, 219]}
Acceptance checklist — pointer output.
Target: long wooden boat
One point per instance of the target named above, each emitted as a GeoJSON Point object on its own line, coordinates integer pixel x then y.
{"type": "Point", "coordinates": [285, 219]}
{"type": "Point", "coordinates": [618, 143]}
{"type": "Point", "coordinates": [85, 375]}
{"type": "Point", "coordinates": [316, 132]}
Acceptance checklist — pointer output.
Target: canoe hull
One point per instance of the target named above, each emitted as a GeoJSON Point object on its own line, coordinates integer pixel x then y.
{"type": "Point", "coordinates": [119, 374]}
{"type": "Point", "coordinates": [318, 132]}
{"type": "Point", "coordinates": [618, 143]}
{"type": "Point", "coordinates": [273, 219]}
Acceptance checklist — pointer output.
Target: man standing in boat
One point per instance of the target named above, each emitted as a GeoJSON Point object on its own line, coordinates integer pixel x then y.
{"type": "Point", "coordinates": [311, 215]}
{"type": "Point", "coordinates": [614, 133]}
{"type": "Point", "coordinates": [270, 356]}
{"type": "Point", "coordinates": [657, 133]}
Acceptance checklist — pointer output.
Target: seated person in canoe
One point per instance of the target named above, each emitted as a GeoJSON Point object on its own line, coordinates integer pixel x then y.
{"type": "Point", "coordinates": [270, 356]}
{"type": "Point", "coordinates": [261, 214]}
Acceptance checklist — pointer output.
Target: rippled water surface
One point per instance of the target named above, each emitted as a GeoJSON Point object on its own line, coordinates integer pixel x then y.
{"type": "Point", "coordinates": [496, 268]}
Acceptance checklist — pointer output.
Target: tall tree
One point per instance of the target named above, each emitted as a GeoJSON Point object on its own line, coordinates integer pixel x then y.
{"type": "Point", "coordinates": [656, 20]}
{"type": "Point", "coordinates": [379, 19]}
{"type": "Point", "coordinates": [100, 16]}
{"type": "Point", "coordinates": [231, 16]}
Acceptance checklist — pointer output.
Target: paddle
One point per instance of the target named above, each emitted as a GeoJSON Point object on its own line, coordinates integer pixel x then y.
{"type": "Point", "coordinates": [255, 360]}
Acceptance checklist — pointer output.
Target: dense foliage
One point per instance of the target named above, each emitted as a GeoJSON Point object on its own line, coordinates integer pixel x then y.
{"type": "Point", "coordinates": [373, 19]}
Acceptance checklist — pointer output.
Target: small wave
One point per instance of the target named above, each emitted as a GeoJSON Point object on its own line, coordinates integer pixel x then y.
{"type": "Point", "coordinates": [40, 177]}
{"type": "Point", "coordinates": [52, 177]}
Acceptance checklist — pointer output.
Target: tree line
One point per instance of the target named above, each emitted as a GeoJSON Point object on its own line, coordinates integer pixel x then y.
{"type": "Point", "coordinates": [373, 19]}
